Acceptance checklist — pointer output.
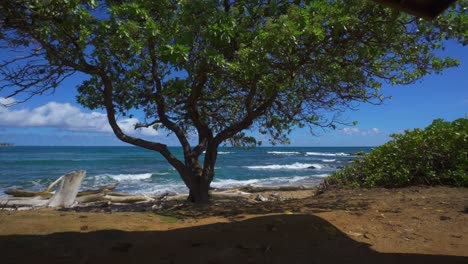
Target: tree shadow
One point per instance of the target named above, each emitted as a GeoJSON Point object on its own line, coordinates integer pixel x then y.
{"type": "Point", "coordinates": [266, 239]}
{"type": "Point", "coordinates": [232, 206]}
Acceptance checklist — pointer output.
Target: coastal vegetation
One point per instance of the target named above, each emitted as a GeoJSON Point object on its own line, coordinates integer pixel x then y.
{"type": "Point", "coordinates": [436, 155]}
{"type": "Point", "coordinates": [5, 144]}
{"type": "Point", "coordinates": [207, 71]}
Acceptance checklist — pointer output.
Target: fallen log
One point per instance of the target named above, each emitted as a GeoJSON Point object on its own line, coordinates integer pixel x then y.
{"type": "Point", "coordinates": [104, 189]}
{"type": "Point", "coordinates": [25, 193]}
{"type": "Point", "coordinates": [118, 194]}
{"type": "Point", "coordinates": [90, 198]}
{"type": "Point", "coordinates": [47, 193]}
{"type": "Point", "coordinates": [127, 199]}
{"type": "Point", "coordinates": [8, 202]}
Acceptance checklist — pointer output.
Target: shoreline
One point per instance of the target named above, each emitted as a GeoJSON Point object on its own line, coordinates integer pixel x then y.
{"type": "Point", "coordinates": [141, 171]}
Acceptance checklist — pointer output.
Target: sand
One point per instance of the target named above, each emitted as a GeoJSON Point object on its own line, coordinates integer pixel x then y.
{"type": "Point", "coordinates": [410, 225]}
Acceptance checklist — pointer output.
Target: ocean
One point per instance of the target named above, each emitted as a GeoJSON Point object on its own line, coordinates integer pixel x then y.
{"type": "Point", "coordinates": [140, 171]}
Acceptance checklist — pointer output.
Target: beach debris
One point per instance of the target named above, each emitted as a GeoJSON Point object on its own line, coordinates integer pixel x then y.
{"type": "Point", "coordinates": [90, 198]}
{"type": "Point", "coordinates": [63, 197]}
{"type": "Point", "coordinates": [261, 198]}
{"type": "Point", "coordinates": [26, 202]}
{"type": "Point", "coordinates": [128, 199]}
{"type": "Point", "coordinates": [277, 197]}
{"type": "Point", "coordinates": [104, 189]}
{"type": "Point", "coordinates": [49, 189]}
{"type": "Point", "coordinates": [25, 193]}
{"type": "Point", "coordinates": [66, 193]}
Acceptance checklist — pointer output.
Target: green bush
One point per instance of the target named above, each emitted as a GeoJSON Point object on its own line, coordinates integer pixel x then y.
{"type": "Point", "coordinates": [437, 155]}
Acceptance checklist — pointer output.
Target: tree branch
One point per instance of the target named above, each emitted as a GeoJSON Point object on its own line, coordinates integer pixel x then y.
{"type": "Point", "coordinates": [245, 123]}
{"type": "Point", "coordinates": [161, 106]}
{"type": "Point", "coordinates": [139, 125]}
{"type": "Point", "coordinates": [161, 148]}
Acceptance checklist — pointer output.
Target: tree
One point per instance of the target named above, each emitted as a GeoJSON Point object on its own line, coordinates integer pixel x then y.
{"type": "Point", "coordinates": [214, 69]}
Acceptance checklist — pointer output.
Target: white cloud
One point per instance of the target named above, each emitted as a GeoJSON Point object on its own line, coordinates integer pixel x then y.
{"type": "Point", "coordinates": [357, 131]}
{"type": "Point", "coordinates": [351, 130]}
{"type": "Point", "coordinates": [6, 101]}
{"type": "Point", "coordinates": [67, 117]}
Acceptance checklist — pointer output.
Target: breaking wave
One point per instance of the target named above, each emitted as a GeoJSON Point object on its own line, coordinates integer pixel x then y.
{"type": "Point", "coordinates": [294, 166]}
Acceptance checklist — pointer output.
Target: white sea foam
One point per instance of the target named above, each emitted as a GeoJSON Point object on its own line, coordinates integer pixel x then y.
{"type": "Point", "coordinates": [171, 188]}
{"type": "Point", "coordinates": [229, 183]}
{"type": "Point", "coordinates": [127, 177]}
{"type": "Point", "coordinates": [294, 166]}
{"type": "Point", "coordinates": [162, 173]}
{"type": "Point", "coordinates": [284, 152]}
{"type": "Point", "coordinates": [310, 180]}
{"type": "Point", "coordinates": [224, 152]}
{"type": "Point", "coordinates": [328, 154]}
{"type": "Point", "coordinates": [329, 160]}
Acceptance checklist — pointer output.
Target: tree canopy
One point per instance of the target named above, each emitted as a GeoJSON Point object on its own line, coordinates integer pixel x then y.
{"type": "Point", "coordinates": [216, 68]}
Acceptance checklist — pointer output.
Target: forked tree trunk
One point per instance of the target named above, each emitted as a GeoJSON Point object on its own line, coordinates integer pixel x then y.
{"type": "Point", "coordinates": [199, 191]}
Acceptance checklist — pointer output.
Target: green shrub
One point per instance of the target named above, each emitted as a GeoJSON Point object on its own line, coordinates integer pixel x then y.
{"type": "Point", "coordinates": [437, 155]}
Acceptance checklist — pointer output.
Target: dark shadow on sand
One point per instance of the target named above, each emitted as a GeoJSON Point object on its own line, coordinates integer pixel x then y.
{"type": "Point", "coordinates": [270, 239]}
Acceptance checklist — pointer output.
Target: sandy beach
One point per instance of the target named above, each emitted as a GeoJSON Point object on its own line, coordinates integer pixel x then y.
{"type": "Point", "coordinates": [410, 225]}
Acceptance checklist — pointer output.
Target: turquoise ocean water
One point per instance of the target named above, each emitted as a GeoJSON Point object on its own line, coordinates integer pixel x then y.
{"type": "Point", "coordinates": [141, 171]}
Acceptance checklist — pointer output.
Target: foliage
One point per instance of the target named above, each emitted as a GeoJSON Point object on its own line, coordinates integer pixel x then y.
{"type": "Point", "coordinates": [212, 69]}
{"type": "Point", "coordinates": [437, 155]}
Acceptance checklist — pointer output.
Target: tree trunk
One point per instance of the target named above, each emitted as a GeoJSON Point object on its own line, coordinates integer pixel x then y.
{"type": "Point", "coordinates": [199, 189]}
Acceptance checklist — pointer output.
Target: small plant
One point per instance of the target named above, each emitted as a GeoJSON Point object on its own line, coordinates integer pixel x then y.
{"type": "Point", "coordinates": [436, 155]}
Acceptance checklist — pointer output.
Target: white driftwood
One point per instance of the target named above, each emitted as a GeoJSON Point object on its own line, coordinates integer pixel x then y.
{"type": "Point", "coordinates": [68, 189]}
{"type": "Point", "coordinates": [127, 199]}
{"type": "Point", "coordinates": [102, 190]}
{"type": "Point", "coordinates": [7, 202]}
{"type": "Point", "coordinates": [90, 198]}
{"type": "Point", "coordinates": [49, 189]}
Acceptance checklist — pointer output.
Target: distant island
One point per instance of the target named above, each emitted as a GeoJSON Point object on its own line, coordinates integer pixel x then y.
{"type": "Point", "coordinates": [4, 144]}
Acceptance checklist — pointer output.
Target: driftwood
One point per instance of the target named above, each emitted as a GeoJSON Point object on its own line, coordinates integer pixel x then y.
{"type": "Point", "coordinates": [68, 189]}
{"type": "Point", "coordinates": [90, 198]}
{"type": "Point", "coordinates": [256, 189]}
{"type": "Point", "coordinates": [104, 189]}
{"type": "Point", "coordinates": [25, 193]}
{"type": "Point", "coordinates": [7, 202]}
{"type": "Point", "coordinates": [48, 192]}
{"type": "Point", "coordinates": [127, 199]}
{"type": "Point", "coordinates": [119, 198]}
{"type": "Point", "coordinates": [49, 189]}
{"type": "Point", "coordinates": [67, 194]}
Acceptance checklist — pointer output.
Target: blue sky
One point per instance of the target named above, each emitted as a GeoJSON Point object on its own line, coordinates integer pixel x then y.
{"type": "Point", "coordinates": [58, 120]}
